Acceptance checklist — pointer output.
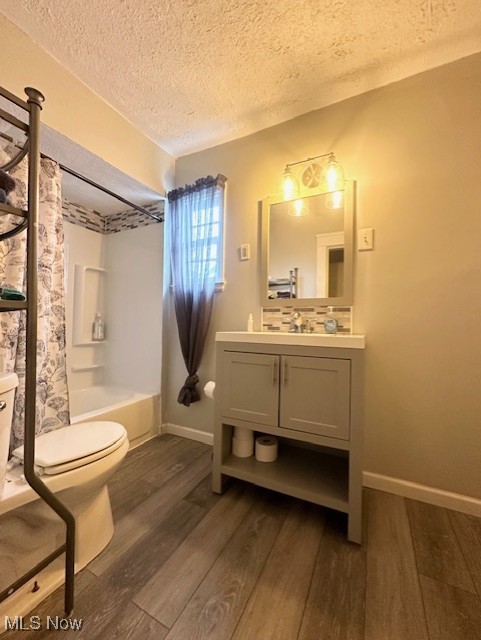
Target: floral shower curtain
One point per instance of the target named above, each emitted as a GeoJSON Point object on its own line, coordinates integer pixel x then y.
{"type": "Point", "coordinates": [52, 409]}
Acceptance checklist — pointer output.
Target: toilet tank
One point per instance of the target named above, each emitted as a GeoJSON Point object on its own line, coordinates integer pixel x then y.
{"type": "Point", "coordinates": [8, 384]}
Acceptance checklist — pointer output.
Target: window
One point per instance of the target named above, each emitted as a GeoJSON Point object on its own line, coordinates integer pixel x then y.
{"type": "Point", "coordinates": [196, 224]}
{"type": "Point", "coordinates": [208, 238]}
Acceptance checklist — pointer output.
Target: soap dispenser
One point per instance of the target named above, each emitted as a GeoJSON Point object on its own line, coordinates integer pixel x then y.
{"type": "Point", "coordinates": [250, 323]}
{"type": "Point", "coordinates": [98, 328]}
{"type": "Point", "coordinates": [330, 323]}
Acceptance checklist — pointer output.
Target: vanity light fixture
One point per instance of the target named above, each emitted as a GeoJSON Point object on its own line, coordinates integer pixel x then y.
{"type": "Point", "coordinates": [329, 178]}
{"type": "Point", "coordinates": [334, 175]}
{"type": "Point", "coordinates": [289, 185]}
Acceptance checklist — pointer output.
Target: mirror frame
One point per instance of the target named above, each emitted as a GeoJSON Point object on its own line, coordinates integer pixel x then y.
{"type": "Point", "coordinates": [341, 301]}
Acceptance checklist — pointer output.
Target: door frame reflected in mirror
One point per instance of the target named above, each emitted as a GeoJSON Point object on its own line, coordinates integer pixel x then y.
{"type": "Point", "coordinates": [339, 301]}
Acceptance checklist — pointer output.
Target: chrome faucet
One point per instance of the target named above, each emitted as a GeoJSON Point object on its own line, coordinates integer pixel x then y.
{"type": "Point", "coordinates": [296, 323]}
{"type": "Point", "coordinates": [306, 327]}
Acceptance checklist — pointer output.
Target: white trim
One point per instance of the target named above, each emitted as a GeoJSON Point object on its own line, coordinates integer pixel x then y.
{"type": "Point", "coordinates": [188, 432]}
{"type": "Point", "coordinates": [222, 266]}
{"type": "Point", "coordinates": [424, 493]}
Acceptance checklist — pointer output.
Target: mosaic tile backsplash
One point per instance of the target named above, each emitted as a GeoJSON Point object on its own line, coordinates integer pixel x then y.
{"type": "Point", "coordinates": [114, 223]}
{"type": "Point", "coordinates": [279, 318]}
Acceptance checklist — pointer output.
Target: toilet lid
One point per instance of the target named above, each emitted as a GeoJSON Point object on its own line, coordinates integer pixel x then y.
{"type": "Point", "coordinates": [75, 442]}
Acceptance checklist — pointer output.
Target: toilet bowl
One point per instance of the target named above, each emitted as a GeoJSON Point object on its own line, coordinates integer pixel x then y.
{"type": "Point", "coordinates": [75, 463]}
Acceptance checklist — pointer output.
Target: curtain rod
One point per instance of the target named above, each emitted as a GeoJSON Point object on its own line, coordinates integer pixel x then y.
{"type": "Point", "coordinates": [110, 193]}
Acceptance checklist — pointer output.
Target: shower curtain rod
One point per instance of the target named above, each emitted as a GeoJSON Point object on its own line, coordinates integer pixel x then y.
{"type": "Point", "coordinates": [110, 193]}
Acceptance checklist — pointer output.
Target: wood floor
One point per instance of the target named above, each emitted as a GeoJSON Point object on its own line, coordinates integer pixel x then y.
{"type": "Point", "coordinates": [186, 564]}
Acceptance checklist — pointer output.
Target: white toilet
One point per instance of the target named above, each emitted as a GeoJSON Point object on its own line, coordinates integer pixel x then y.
{"type": "Point", "coordinates": [75, 462]}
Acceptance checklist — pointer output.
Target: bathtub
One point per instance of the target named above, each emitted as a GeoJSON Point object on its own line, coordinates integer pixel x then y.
{"type": "Point", "coordinates": [138, 412]}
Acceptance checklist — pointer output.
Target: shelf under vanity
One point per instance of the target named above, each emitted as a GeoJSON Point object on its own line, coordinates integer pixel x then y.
{"type": "Point", "coordinates": [315, 476]}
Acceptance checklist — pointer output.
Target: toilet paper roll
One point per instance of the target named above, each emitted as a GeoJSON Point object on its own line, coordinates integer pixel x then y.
{"type": "Point", "coordinates": [241, 433]}
{"type": "Point", "coordinates": [209, 389]}
{"type": "Point", "coordinates": [242, 448]}
{"type": "Point", "coordinates": [266, 448]}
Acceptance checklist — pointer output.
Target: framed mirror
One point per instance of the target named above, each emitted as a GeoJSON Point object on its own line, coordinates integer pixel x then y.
{"type": "Point", "coordinates": [307, 249]}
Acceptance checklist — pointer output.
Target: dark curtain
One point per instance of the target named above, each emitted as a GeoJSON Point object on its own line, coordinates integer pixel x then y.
{"type": "Point", "coordinates": [195, 221]}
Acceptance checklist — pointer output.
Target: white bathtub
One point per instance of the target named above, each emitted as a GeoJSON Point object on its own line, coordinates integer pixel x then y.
{"type": "Point", "coordinates": [138, 412]}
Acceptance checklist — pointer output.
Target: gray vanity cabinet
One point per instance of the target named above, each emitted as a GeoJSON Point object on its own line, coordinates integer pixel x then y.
{"type": "Point", "coordinates": [302, 393]}
{"type": "Point", "coordinates": [251, 387]}
{"type": "Point", "coordinates": [315, 395]}
{"type": "Point", "coordinates": [310, 397]}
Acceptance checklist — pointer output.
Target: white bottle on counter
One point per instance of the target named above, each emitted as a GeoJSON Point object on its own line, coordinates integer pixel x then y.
{"type": "Point", "coordinates": [250, 323]}
{"type": "Point", "coordinates": [98, 328]}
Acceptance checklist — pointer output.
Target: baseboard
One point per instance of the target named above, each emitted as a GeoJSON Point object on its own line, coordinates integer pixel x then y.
{"type": "Point", "coordinates": [188, 432]}
{"type": "Point", "coordinates": [423, 493]}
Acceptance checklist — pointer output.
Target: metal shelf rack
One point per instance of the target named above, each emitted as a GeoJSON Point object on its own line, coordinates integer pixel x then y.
{"type": "Point", "coordinates": [28, 222]}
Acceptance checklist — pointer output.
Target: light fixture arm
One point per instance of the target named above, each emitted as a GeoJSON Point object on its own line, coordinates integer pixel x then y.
{"type": "Point", "coordinates": [323, 155]}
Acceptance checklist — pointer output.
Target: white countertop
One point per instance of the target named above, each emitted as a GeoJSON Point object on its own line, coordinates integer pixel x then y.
{"type": "Point", "coordinates": [343, 341]}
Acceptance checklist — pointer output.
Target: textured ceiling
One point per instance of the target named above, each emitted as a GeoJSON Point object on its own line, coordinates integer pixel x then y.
{"type": "Point", "coordinates": [194, 73]}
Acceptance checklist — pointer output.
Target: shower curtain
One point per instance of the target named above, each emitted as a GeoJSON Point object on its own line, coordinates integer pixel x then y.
{"type": "Point", "coordinates": [52, 409]}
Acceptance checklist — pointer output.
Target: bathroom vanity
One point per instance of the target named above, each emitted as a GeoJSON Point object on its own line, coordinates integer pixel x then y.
{"type": "Point", "coordinates": [306, 389]}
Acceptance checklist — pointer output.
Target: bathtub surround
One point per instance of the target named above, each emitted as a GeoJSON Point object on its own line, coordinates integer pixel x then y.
{"type": "Point", "coordinates": [124, 358]}
{"type": "Point", "coordinates": [52, 392]}
{"type": "Point", "coordinates": [118, 379]}
{"type": "Point", "coordinates": [279, 318]}
{"type": "Point", "coordinates": [134, 263]}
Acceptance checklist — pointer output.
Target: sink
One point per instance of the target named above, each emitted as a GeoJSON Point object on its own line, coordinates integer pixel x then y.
{"type": "Point", "coordinates": [345, 341]}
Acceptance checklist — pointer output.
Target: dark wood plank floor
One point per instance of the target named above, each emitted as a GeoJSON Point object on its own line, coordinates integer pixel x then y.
{"type": "Point", "coordinates": [251, 564]}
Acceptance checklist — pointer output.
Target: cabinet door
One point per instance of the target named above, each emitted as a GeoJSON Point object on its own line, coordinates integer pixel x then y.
{"type": "Point", "coordinates": [315, 395]}
{"type": "Point", "coordinates": [250, 387]}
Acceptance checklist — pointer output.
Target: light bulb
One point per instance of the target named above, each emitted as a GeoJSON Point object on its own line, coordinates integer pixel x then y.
{"type": "Point", "coordinates": [334, 175]}
{"type": "Point", "coordinates": [289, 185]}
{"type": "Point", "coordinates": [335, 200]}
{"type": "Point", "coordinates": [298, 208]}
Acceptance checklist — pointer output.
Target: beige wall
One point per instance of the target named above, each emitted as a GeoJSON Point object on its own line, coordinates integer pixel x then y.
{"type": "Point", "coordinates": [78, 113]}
{"type": "Point", "coordinates": [415, 149]}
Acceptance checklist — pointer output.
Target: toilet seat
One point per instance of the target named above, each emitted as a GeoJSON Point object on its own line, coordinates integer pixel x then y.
{"type": "Point", "coordinates": [75, 446]}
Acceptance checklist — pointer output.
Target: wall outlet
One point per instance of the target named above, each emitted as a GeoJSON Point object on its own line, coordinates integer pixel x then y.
{"type": "Point", "coordinates": [365, 240]}
{"type": "Point", "coordinates": [245, 252]}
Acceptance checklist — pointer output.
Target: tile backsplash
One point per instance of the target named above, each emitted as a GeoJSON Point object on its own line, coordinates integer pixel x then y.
{"type": "Point", "coordinates": [279, 318]}
{"type": "Point", "coordinates": [123, 221]}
